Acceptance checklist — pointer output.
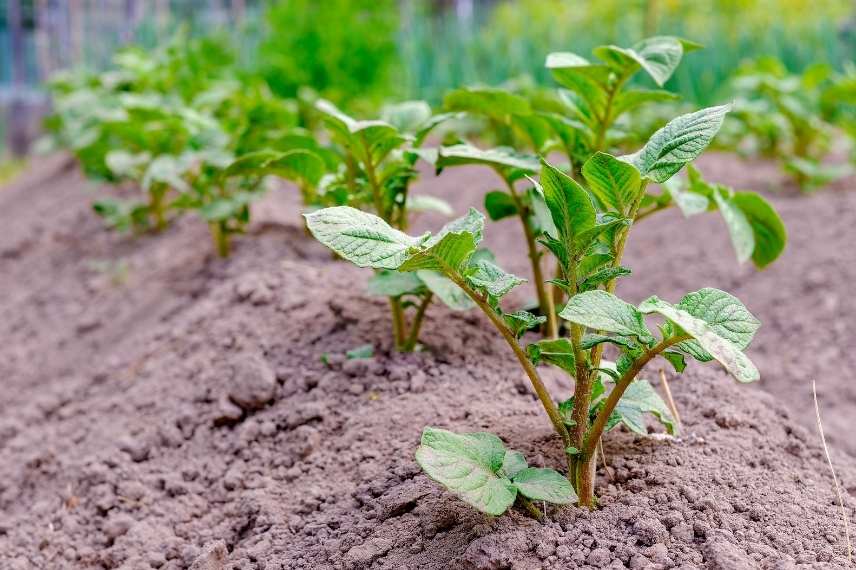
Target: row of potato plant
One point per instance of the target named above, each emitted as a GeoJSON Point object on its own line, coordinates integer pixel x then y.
{"type": "Point", "coordinates": [211, 146]}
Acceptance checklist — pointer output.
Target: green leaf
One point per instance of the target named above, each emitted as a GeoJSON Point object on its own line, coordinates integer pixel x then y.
{"type": "Point", "coordinates": [725, 314]}
{"type": "Point", "coordinates": [570, 206]}
{"type": "Point", "coordinates": [513, 463]}
{"type": "Point", "coordinates": [450, 248]}
{"type": "Point", "coordinates": [767, 227]}
{"type": "Point", "coordinates": [459, 154]}
{"type": "Point", "coordinates": [499, 205]}
{"type": "Point", "coordinates": [615, 183]}
{"type": "Point", "coordinates": [718, 347]}
{"type": "Point", "coordinates": [604, 311]}
{"type": "Point", "coordinates": [124, 163]}
{"type": "Point", "coordinates": [592, 340]}
{"type": "Point", "coordinates": [490, 102]}
{"type": "Point", "coordinates": [297, 165]}
{"type": "Point", "coordinates": [388, 283]}
{"type": "Point", "coordinates": [739, 228]}
{"type": "Point", "coordinates": [676, 359]}
{"type": "Point", "coordinates": [659, 56]}
{"type": "Point", "coordinates": [378, 137]}
{"type": "Point", "coordinates": [452, 296]}
{"type": "Point", "coordinates": [407, 116]}
{"type": "Point", "coordinates": [492, 279]}
{"type": "Point", "coordinates": [587, 81]}
{"type": "Point", "coordinates": [424, 203]}
{"type": "Point", "coordinates": [363, 239]}
{"type": "Point", "coordinates": [168, 170]}
{"type": "Point", "coordinates": [467, 465]}
{"type": "Point", "coordinates": [521, 321]}
{"type": "Point", "coordinates": [602, 276]}
{"type": "Point", "coordinates": [545, 485]}
{"type": "Point", "coordinates": [638, 399]}
{"type": "Point", "coordinates": [558, 352]}
{"type": "Point", "coordinates": [677, 143]}
{"type": "Point", "coordinates": [364, 351]}
{"type": "Point", "coordinates": [690, 203]}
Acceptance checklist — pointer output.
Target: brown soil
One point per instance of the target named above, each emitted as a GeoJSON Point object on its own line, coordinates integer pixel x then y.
{"type": "Point", "coordinates": [165, 409]}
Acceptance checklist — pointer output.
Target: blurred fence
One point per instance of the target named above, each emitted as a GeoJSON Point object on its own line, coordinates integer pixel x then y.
{"type": "Point", "coordinates": [40, 37]}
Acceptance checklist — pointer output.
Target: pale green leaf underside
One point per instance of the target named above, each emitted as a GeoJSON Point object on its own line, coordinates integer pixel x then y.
{"type": "Point", "coordinates": [723, 350]}
{"type": "Point", "coordinates": [739, 228]}
{"type": "Point", "coordinates": [497, 157]}
{"type": "Point", "coordinates": [677, 143]}
{"type": "Point", "coordinates": [363, 239]}
{"type": "Point", "coordinates": [726, 315]}
{"type": "Point", "coordinates": [466, 464]}
{"type": "Point", "coordinates": [603, 311]}
{"type": "Point", "coordinates": [451, 295]}
{"type": "Point", "coordinates": [513, 463]}
{"type": "Point", "coordinates": [390, 283]}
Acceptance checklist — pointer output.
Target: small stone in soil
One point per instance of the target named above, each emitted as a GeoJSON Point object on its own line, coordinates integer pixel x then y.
{"type": "Point", "coordinates": [253, 382]}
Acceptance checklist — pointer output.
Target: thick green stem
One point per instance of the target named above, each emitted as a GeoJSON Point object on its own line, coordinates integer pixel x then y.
{"type": "Point", "coordinates": [545, 301]}
{"type": "Point", "coordinates": [397, 322]}
{"type": "Point", "coordinates": [534, 511]}
{"type": "Point", "coordinates": [540, 390]}
{"type": "Point", "coordinates": [377, 191]}
{"type": "Point", "coordinates": [156, 207]}
{"type": "Point", "coordinates": [220, 234]}
{"type": "Point", "coordinates": [416, 326]}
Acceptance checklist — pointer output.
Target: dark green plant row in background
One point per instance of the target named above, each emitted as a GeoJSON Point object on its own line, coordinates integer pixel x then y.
{"type": "Point", "coordinates": [187, 133]}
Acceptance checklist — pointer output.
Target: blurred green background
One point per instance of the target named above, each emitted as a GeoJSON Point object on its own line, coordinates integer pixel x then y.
{"type": "Point", "coordinates": [361, 53]}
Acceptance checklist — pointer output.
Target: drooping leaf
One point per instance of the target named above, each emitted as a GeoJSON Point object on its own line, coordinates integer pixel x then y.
{"type": "Point", "coordinates": [676, 359]}
{"type": "Point", "coordinates": [499, 205]}
{"type": "Point", "coordinates": [545, 485]}
{"type": "Point", "coordinates": [638, 399]}
{"type": "Point", "coordinates": [467, 465]}
{"type": "Point", "coordinates": [659, 56]}
{"type": "Point", "coordinates": [767, 227]}
{"type": "Point", "coordinates": [630, 99]}
{"type": "Point", "coordinates": [690, 203]}
{"type": "Point", "coordinates": [389, 283]}
{"type": "Point", "coordinates": [363, 239]}
{"type": "Point", "coordinates": [452, 296]}
{"type": "Point", "coordinates": [603, 311]}
{"type": "Point", "coordinates": [739, 228]}
{"type": "Point", "coordinates": [725, 314]}
{"type": "Point", "coordinates": [615, 183]}
{"type": "Point", "coordinates": [496, 157]}
{"type": "Point", "coordinates": [677, 143]}
{"type": "Point", "coordinates": [718, 347]}
{"type": "Point", "coordinates": [558, 352]}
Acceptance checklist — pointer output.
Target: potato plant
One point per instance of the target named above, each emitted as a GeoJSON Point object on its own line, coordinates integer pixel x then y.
{"type": "Point", "coordinates": [784, 116]}
{"type": "Point", "coordinates": [590, 227]}
{"type": "Point", "coordinates": [378, 165]}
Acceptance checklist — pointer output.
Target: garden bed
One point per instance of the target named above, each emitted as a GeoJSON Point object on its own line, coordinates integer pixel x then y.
{"type": "Point", "coordinates": [168, 409]}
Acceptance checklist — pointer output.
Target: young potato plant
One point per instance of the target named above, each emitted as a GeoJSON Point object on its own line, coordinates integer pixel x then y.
{"type": "Point", "coordinates": [588, 234]}
{"type": "Point", "coordinates": [782, 116]}
{"type": "Point", "coordinates": [378, 165]}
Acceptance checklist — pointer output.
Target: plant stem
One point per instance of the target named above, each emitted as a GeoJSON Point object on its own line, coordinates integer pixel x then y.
{"type": "Point", "coordinates": [157, 209]}
{"type": "Point", "coordinates": [545, 301]}
{"type": "Point", "coordinates": [397, 322]}
{"type": "Point", "coordinates": [413, 337]}
{"type": "Point", "coordinates": [373, 182]}
{"type": "Point", "coordinates": [221, 238]}
{"type": "Point", "coordinates": [629, 375]}
{"type": "Point", "coordinates": [534, 511]}
{"type": "Point", "coordinates": [540, 390]}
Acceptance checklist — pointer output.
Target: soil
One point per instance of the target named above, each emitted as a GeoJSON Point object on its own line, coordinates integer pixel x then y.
{"type": "Point", "coordinates": [166, 409]}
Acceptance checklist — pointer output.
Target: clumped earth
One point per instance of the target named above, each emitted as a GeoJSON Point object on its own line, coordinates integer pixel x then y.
{"type": "Point", "coordinates": [166, 409]}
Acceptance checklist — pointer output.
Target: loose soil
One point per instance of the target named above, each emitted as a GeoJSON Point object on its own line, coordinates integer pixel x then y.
{"type": "Point", "coordinates": [166, 409]}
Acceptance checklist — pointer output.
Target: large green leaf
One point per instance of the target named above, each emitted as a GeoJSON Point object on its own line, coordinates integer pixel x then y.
{"type": "Point", "coordinates": [677, 143]}
{"type": "Point", "coordinates": [363, 239]}
{"type": "Point", "coordinates": [767, 227]}
{"type": "Point", "coordinates": [629, 99]}
{"type": "Point", "coordinates": [723, 350]}
{"type": "Point", "coordinates": [570, 206]}
{"type": "Point", "coordinates": [297, 165]}
{"type": "Point", "coordinates": [502, 158]}
{"type": "Point", "coordinates": [726, 315]}
{"type": "Point", "coordinates": [638, 399]}
{"type": "Point", "coordinates": [545, 485]}
{"type": "Point", "coordinates": [467, 465]}
{"type": "Point", "coordinates": [615, 183]}
{"type": "Point", "coordinates": [603, 311]}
